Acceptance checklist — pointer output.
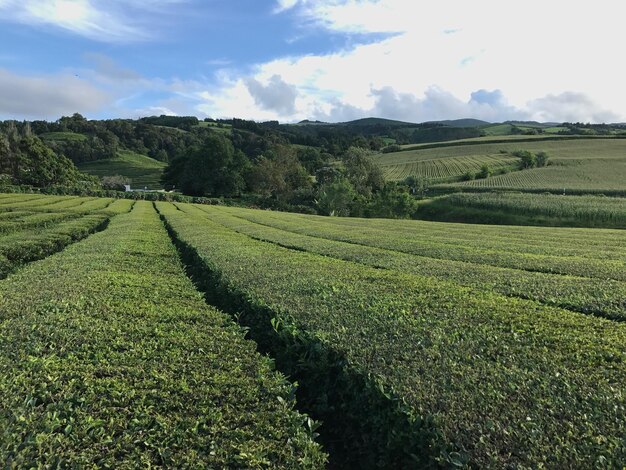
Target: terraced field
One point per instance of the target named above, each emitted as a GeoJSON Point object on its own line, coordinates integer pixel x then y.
{"type": "Point", "coordinates": [416, 344]}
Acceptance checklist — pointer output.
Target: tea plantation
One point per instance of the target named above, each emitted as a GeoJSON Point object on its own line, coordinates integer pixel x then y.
{"type": "Point", "coordinates": [139, 334]}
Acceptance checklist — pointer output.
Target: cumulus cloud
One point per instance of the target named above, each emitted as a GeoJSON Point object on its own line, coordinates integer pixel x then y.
{"type": "Point", "coordinates": [570, 107]}
{"type": "Point", "coordinates": [50, 96]}
{"type": "Point", "coordinates": [424, 71]}
{"type": "Point", "coordinates": [277, 95]}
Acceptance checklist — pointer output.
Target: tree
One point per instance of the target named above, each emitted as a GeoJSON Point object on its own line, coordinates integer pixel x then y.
{"type": "Point", "coordinates": [335, 198]}
{"type": "Point", "coordinates": [541, 159]}
{"type": "Point", "coordinates": [27, 160]}
{"type": "Point", "coordinates": [393, 201]}
{"type": "Point", "coordinates": [115, 182]}
{"type": "Point", "coordinates": [214, 168]}
{"type": "Point", "coordinates": [528, 160]}
{"type": "Point", "coordinates": [485, 172]}
{"type": "Point", "coordinates": [365, 176]}
{"type": "Point", "coordinates": [278, 175]}
{"type": "Point", "coordinates": [417, 185]}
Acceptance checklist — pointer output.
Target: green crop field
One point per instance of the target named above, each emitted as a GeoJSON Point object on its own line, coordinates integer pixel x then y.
{"type": "Point", "coordinates": [143, 171]}
{"type": "Point", "coordinates": [595, 175]}
{"type": "Point", "coordinates": [523, 208]}
{"type": "Point", "coordinates": [138, 334]}
{"type": "Point", "coordinates": [577, 166]}
{"type": "Point", "coordinates": [441, 169]}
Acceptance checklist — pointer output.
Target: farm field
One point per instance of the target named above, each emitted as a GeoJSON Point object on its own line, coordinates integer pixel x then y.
{"type": "Point", "coordinates": [445, 168]}
{"type": "Point", "coordinates": [413, 343]}
{"type": "Point", "coordinates": [143, 171]}
{"type": "Point", "coordinates": [573, 176]}
{"type": "Point", "coordinates": [519, 208]}
{"type": "Point", "coordinates": [406, 333]}
{"type": "Point", "coordinates": [111, 358]}
{"type": "Point", "coordinates": [576, 293]}
{"type": "Point", "coordinates": [593, 165]}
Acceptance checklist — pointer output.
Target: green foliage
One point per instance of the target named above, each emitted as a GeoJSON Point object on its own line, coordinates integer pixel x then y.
{"type": "Point", "coordinates": [391, 148]}
{"type": "Point", "coordinates": [485, 172]}
{"type": "Point", "coordinates": [336, 198]}
{"type": "Point", "coordinates": [364, 175]}
{"type": "Point", "coordinates": [542, 158]}
{"type": "Point", "coordinates": [417, 185]}
{"type": "Point", "coordinates": [213, 169]}
{"type": "Point", "coordinates": [28, 161]}
{"type": "Point", "coordinates": [112, 359]}
{"type": "Point", "coordinates": [394, 201]}
{"type": "Point", "coordinates": [464, 376]}
{"type": "Point", "coordinates": [332, 238]}
{"type": "Point", "coordinates": [115, 182]}
{"type": "Point", "coordinates": [527, 159]}
{"type": "Point", "coordinates": [278, 174]}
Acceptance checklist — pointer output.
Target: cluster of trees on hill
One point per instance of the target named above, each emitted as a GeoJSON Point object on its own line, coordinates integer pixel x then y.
{"type": "Point", "coordinates": [579, 128]}
{"type": "Point", "coordinates": [25, 159]}
{"type": "Point", "coordinates": [283, 176]}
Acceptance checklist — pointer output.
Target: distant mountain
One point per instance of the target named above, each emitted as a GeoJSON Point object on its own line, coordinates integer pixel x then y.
{"type": "Point", "coordinates": [533, 123]}
{"type": "Point", "coordinates": [374, 121]}
{"type": "Point", "coordinates": [467, 122]}
{"type": "Point", "coordinates": [308, 122]}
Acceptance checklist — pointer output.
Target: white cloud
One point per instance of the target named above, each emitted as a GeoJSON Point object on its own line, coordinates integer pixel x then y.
{"type": "Point", "coordinates": [570, 107]}
{"type": "Point", "coordinates": [107, 21]}
{"type": "Point", "coordinates": [440, 58]}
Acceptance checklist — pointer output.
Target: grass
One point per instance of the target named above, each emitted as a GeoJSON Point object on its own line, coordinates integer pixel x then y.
{"type": "Point", "coordinates": [143, 171]}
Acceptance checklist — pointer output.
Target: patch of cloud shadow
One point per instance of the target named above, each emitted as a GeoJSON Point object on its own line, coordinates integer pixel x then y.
{"type": "Point", "coordinates": [47, 97]}
{"type": "Point", "coordinates": [108, 68]}
{"type": "Point", "coordinates": [277, 95]}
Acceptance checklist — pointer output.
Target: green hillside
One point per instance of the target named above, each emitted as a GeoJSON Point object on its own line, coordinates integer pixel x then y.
{"type": "Point", "coordinates": [143, 171]}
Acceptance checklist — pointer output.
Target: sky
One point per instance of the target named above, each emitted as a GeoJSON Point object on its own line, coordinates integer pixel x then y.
{"type": "Point", "coordinates": [328, 60]}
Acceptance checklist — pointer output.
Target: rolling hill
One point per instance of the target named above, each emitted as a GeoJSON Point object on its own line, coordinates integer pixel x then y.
{"type": "Point", "coordinates": [143, 171]}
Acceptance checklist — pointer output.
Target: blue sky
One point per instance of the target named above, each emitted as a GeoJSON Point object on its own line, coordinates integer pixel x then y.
{"type": "Point", "coordinates": [332, 60]}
